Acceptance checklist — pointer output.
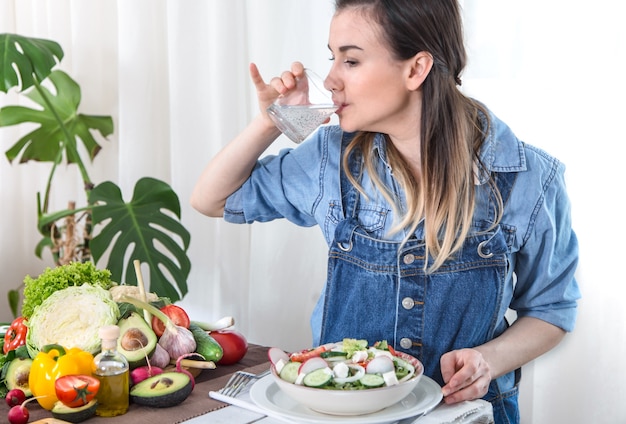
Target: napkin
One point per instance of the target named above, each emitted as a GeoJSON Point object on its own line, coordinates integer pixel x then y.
{"type": "Point", "coordinates": [243, 401]}
{"type": "Point", "coordinates": [475, 411]}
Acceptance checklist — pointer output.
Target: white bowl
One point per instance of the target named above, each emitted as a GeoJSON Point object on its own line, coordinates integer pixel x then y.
{"type": "Point", "coordinates": [351, 402]}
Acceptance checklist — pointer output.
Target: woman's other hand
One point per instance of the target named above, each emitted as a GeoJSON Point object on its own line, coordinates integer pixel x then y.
{"type": "Point", "coordinates": [467, 375]}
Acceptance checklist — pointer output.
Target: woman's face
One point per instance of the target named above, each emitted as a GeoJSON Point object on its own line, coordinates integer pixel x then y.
{"type": "Point", "coordinates": [368, 84]}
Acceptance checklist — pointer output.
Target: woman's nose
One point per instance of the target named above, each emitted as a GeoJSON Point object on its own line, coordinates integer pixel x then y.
{"type": "Point", "coordinates": [329, 84]}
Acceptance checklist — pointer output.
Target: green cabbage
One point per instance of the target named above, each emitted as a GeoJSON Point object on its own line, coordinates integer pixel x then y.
{"type": "Point", "coordinates": [36, 290]}
{"type": "Point", "coordinates": [72, 317]}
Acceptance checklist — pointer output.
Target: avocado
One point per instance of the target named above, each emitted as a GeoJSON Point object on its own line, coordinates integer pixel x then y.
{"type": "Point", "coordinates": [63, 412]}
{"type": "Point", "coordinates": [17, 375]}
{"type": "Point", "coordinates": [137, 341]}
{"type": "Point", "coordinates": [162, 390]}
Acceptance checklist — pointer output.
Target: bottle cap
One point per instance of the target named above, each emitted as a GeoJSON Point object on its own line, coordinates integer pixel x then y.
{"type": "Point", "coordinates": [109, 332]}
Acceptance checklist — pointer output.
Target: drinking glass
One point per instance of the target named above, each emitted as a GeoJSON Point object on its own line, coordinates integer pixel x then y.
{"type": "Point", "coordinates": [299, 112]}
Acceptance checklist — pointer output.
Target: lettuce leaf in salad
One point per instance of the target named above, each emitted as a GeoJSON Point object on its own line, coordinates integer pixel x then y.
{"type": "Point", "coordinates": [350, 346]}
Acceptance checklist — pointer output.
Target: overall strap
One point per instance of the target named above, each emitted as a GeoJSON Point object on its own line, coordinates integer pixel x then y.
{"type": "Point", "coordinates": [505, 182]}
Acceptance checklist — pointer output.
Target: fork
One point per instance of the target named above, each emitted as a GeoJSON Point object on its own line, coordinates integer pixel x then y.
{"type": "Point", "coordinates": [239, 381]}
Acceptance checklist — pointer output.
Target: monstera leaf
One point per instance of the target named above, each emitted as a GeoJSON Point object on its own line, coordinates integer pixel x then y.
{"type": "Point", "coordinates": [59, 124]}
{"type": "Point", "coordinates": [30, 57]}
{"type": "Point", "coordinates": [143, 230]}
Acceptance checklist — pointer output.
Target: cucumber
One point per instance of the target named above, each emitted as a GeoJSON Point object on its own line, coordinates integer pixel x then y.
{"type": "Point", "coordinates": [205, 344]}
{"type": "Point", "coordinates": [290, 371]}
{"type": "Point", "coordinates": [372, 380]}
{"type": "Point", "coordinates": [318, 378]}
{"type": "Point", "coordinates": [333, 354]}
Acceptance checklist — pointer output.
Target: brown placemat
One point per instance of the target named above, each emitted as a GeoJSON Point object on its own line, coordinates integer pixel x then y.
{"type": "Point", "coordinates": [198, 403]}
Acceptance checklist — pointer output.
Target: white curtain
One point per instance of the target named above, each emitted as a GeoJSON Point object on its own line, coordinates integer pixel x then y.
{"type": "Point", "coordinates": [174, 75]}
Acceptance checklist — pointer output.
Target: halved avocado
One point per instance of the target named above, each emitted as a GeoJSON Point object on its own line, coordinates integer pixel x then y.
{"type": "Point", "coordinates": [63, 412]}
{"type": "Point", "coordinates": [17, 375]}
{"type": "Point", "coordinates": [162, 390]}
{"type": "Point", "coordinates": [137, 341]}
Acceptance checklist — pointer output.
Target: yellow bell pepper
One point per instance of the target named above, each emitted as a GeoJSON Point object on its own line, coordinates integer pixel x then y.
{"type": "Point", "coordinates": [52, 362]}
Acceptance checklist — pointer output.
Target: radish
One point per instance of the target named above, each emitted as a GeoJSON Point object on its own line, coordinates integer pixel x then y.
{"type": "Point", "coordinates": [312, 364]}
{"type": "Point", "coordinates": [380, 365]}
{"type": "Point", "coordinates": [15, 397]}
{"type": "Point", "coordinates": [179, 367]}
{"type": "Point", "coordinates": [19, 413]}
{"type": "Point", "coordinates": [275, 355]}
{"type": "Point", "coordinates": [141, 373]}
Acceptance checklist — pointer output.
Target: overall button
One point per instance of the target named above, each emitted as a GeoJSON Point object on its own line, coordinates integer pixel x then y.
{"type": "Point", "coordinates": [408, 303]}
{"type": "Point", "coordinates": [408, 259]}
{"type": "Point", "coordinates": [406, 343]}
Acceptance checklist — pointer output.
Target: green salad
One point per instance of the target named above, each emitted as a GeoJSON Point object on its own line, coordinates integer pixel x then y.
{"type": "Point", "coordinates": [347, 365]}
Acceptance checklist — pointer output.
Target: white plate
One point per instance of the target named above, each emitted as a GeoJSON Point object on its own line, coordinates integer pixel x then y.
{"type": "Point", "coordinates": [426, 396]}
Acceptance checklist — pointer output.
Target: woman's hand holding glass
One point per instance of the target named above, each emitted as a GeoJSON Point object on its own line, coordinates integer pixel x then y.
{"type": "Point", "coordinates": [296, 102]}
{"type": "Point", "coordinates": [268, 93]}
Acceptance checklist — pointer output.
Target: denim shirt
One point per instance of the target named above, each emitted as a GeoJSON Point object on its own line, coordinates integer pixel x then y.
{"type": "Point", "coordinates": [303, 185]}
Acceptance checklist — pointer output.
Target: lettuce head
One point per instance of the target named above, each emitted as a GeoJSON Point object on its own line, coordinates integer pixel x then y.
{"type": "Point", "coordinates": [72, 317]}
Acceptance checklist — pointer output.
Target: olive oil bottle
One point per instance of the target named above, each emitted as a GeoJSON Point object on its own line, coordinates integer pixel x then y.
{"type": "Point", "coordinates": [111, 368]}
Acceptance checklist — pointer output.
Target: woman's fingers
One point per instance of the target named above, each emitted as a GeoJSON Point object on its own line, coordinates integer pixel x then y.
{"type": "Point", "coordinates": [466, 374]}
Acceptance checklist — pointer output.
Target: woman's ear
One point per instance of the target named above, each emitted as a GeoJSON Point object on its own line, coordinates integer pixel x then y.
{"type": "Point", "coordinates": [419, 67]}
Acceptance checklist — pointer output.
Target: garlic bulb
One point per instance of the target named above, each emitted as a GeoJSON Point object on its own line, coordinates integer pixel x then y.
{"type": "Point", "coordinates": [177, 341]}
{"type": "Point", "coordinates": [160, 358]}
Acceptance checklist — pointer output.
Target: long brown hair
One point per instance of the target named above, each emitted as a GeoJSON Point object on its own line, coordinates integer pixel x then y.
{"type": "Point", "coordinates": [452, 125]}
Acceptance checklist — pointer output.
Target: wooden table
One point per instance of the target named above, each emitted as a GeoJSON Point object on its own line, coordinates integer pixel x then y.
{"type": "Point", "coordinates": [197, 404]}
{"type": "Point", "coordinates": [198, 408]}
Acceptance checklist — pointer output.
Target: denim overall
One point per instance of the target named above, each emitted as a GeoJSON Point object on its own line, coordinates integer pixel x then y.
{"type": "Point", "coordinates": [378, 290]}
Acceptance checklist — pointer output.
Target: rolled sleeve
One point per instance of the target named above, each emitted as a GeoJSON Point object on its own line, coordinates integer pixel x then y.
{"type": "Point", "coordinates": [285, 185]}
{"type": "Point", "coordinates": [545, 266]}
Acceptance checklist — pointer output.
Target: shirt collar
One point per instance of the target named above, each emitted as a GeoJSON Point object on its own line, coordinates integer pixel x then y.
{"type": "Point", "coordinates": [502, 151]}
{"type": "Point", "coordinates": [380, 147]}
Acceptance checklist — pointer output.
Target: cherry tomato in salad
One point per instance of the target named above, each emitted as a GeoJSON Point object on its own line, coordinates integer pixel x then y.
{"type": "Point", "coordinates": [233, 343]}
{"type": "Point", "coordinates": [76, 390]}
{"type": "Point", "coordinates": [175, 313]}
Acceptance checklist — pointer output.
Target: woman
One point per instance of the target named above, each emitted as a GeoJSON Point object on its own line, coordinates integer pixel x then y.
{"type": "Point", "coordinates": [438, 218]}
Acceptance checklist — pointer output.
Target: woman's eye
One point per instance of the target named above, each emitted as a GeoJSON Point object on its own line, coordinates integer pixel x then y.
{"type": "Point", "coordinates": [348, 62]}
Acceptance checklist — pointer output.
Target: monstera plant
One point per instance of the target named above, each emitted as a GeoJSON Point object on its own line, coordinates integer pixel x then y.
{"type": "Point", "coordinates": [146, 228]}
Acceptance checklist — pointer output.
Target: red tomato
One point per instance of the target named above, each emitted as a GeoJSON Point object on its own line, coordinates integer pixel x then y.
{"type": "Point", "coordinates": [76, 390]}
{"type": "Point", "coordinates": [233, 343]}
{"type": "Point", "coordinates": [175, 313]}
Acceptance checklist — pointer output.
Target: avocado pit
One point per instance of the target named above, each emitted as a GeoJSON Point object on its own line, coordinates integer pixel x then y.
{"type": "Point", "coordinates": [134, 339]}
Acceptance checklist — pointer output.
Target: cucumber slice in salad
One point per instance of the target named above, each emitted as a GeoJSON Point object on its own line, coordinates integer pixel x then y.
{"type": "Point", "coordinates": [318, 378]}
{"type": "Point", "coordinates": [290, 371]}
{"type": "Point", "coordinates": [372, 380]}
